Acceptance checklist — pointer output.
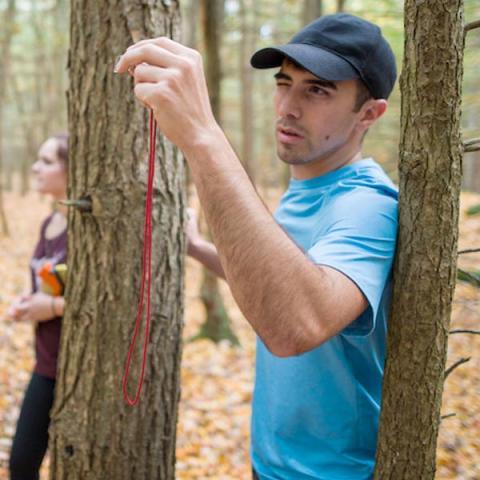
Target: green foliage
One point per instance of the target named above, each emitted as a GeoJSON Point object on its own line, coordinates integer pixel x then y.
{"type": "Point", "coordinates": [474, 210]}
{"type": "Point", "coordinates": [471, 277]}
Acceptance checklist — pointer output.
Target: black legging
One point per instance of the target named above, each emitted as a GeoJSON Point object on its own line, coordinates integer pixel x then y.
{"type": "Point", "coordinates": [31, 438]}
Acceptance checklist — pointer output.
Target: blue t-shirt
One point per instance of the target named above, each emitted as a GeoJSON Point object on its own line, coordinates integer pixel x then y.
{"type": "Point", "coordinates": [315, 416]}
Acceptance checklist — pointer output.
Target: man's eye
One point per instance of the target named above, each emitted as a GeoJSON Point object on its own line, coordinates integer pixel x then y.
{"type": "Point", "coordinates": [318, 91]}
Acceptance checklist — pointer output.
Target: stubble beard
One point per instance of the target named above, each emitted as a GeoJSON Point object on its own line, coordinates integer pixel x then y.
{"type": "Point", "coordinates": [295, 154]}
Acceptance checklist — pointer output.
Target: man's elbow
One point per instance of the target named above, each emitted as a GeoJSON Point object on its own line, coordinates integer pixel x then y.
{"type": "Point", "coordinates": [293, 346]}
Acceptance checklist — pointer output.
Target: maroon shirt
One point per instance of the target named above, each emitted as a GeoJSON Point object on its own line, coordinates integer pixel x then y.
{"type": "Point", "coordinates": [47, 334]}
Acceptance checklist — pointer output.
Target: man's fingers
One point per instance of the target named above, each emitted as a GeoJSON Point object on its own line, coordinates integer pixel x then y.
{"type": "Point", "coordinates": [148, 73]}
{"type": "Point", "coordinates": [164, 42]}
{"type": "Point", "coordinates": [145, 92]}
{"type": "Point", "coordinates": [150, 54]}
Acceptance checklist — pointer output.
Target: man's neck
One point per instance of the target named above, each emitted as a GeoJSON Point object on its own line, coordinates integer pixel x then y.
{"type": "Point", "coordinates": [323, 166]}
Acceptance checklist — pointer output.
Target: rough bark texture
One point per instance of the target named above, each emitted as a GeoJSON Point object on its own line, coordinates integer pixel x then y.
{"type": "Point", "coordinates": [94, 434]}
{"type": "Point", "coordinates": [425, 268]}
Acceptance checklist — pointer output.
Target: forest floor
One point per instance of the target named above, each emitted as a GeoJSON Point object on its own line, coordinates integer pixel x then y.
{"type": "Point", "coordinates": [213, 428]}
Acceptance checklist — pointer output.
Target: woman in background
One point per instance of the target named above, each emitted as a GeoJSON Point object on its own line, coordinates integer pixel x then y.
{"type": "Point", "coordinates": [44, 310]}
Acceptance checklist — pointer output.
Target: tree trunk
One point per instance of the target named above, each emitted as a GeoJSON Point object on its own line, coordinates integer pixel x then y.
{"type": "Point", "coordinates": [340, 5]}
{"type": "Point", "coordinates": [311, 10]}
{"type": "Point", "coordinates": [247, 46]}
{"type": "Point", "coordinates": [29, 134]}
{"type": "Point", "coordinates": [5, 43]}
{"type": "Point", "coordinates": [425, 267]}
{"type": "Point", "coordinates": [94, 435]}
{"type": "Point", "coordinates": [56, 108]}
{"type": "Point", "coordinates": [216, 326]}
{"type": "Point", "coordinates": [190, 23]}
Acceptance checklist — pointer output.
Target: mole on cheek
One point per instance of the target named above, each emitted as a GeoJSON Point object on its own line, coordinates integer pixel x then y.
{"type": "Point", "coordinates": [327, 137]}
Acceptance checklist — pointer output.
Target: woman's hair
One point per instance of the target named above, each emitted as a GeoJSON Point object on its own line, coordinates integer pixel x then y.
{"type": "Point", "coordinates": [62, 147]}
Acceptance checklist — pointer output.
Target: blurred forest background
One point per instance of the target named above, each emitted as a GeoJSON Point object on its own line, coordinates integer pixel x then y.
{"type": "Point", "coordinates": [216, 379]}
{"type": "Point", "coordinates": [33, 78]}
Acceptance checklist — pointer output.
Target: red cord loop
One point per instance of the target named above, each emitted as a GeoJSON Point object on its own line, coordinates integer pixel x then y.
{"type": "Point", "coordinates": [146, 275]}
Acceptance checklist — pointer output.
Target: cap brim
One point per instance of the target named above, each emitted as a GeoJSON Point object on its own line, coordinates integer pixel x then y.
{"type": "Point", "coordinates": [318, 61]}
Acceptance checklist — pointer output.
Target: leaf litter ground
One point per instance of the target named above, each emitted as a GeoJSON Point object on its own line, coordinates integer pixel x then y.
{"type": "Point", "coordinates": [213, 428]}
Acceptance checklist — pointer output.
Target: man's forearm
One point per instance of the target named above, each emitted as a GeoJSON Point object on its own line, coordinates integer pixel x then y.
{"type": "Point", "coordinates": [277, 288]}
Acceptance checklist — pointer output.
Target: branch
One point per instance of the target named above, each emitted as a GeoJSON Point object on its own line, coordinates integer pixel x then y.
{"type": "Point", "coordinates": [450, 369]}
{"type": "Point", "coordinates": [468, 250]}
{"type": "Point", "coordinates": [443, 417]}
{"type": "Point", "coordinates": [471, 145]}
{"type": "Point", "coordinates": [473, 332]}
{"type": "Point", "coordinates": [472, 25]}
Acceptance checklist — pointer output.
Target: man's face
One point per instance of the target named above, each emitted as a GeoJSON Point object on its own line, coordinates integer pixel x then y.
{"type": "Point", "coordinates": [315, 118]}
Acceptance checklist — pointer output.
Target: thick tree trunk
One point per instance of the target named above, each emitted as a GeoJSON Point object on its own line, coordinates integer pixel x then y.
{"type": "Point", "coordinates": [425, 268]}
{"type": "Point", "coordinates": [94, 435]}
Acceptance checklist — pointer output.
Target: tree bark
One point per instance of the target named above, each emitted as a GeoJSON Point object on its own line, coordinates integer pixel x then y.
{"type": "Point", "coordinates": [425, 267]}
{"type": "Point", "coordinates": [5, 43]}
{"type": "Point", "coordinates": [94, 435]}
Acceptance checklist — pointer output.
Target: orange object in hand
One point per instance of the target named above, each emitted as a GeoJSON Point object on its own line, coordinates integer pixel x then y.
{"type": "Point", "coordinates": [53, 278]}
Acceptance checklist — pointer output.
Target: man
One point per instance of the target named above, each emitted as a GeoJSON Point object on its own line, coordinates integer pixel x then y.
{"type": "Point", "coordinates": [314, 281]}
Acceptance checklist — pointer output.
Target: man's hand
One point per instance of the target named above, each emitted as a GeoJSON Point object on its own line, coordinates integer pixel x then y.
{"type": "Point", "coordinates": [169, 79]}
{"type": "Point", "coordinates": [37, 307]}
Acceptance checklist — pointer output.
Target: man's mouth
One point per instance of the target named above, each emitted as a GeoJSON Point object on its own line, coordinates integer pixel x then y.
{"type": "Point", "coordinates": [288, 135]}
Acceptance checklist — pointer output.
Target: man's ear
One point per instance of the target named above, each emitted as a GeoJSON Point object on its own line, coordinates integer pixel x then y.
{"type": "Point", "coordinates": [371, 111]}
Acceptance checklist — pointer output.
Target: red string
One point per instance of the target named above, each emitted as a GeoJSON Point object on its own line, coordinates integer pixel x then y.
{"type": "Point", "coordinates": [146, 275]}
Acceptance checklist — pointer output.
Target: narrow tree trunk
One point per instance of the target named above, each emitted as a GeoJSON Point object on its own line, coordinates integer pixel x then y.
{"type": "Point", "coordinates": [94, 435]}
{"type": "Point", "coordinates": [41, 76]}
{"type": "Point", "coordinates": [56, 107]}
{"type": "Point", "coordinates": [340, 5]}
{"type": "Point", "coordinates": [31, 143]}
{"type": "Point", "coordinates": [5, 43]}
{"type": "Point", "coordinates": [216, 326]}
{"type": "Point", "coordinates": [311, 10]}
{"type": "Point", "coordinates": [246, 87]}
{"type": "Point", "coordinates": [425, 268]}
{"type": "Point", "coordinates": [190, 23]}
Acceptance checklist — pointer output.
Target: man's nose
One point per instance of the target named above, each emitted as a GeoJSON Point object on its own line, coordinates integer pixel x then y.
{"type": "Point", "coordinates": [288, 105]}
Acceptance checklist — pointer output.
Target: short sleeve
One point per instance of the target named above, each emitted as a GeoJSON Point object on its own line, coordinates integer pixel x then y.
{"type": "Point", "coordinates": [359, 242]}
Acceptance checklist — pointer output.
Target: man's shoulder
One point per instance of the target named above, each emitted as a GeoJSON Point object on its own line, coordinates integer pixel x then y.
{"type": "Point", "coordinates": [363, 192]}
{"type": "Point", "coordinates": [367, 178]}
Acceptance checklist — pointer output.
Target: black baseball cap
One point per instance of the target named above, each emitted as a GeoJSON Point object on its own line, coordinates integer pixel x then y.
{"type": "Point", "coordinates": [338, 47]}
